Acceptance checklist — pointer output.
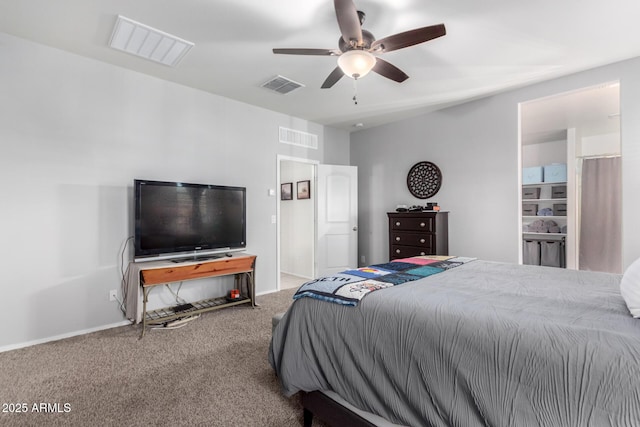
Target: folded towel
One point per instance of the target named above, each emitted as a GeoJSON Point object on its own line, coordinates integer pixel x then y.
{"type": "Point", "coordinates": [552, 226]}
{"type": "Point", "coordinates": [537, 226]}
{"type": "Point", "coordinates": [545, 212]}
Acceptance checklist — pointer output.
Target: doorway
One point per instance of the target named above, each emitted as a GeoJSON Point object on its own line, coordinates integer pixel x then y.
{"type": "Point", "coordinates": [296, 215]}
{"type": "Point", "coordinates": [317, 220]}
{"type": "Point", "coordinates": [577, 130]}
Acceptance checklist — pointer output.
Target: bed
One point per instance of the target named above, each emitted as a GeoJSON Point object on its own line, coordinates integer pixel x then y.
{"type": "Point", "coordinates": [484, 343]}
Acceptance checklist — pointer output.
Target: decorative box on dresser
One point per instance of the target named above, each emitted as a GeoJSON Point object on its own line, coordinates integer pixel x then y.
{"type": "Point", "coordinates": [418, 233]}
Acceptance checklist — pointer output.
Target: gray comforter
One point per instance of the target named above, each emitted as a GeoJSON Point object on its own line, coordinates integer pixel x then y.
{"type": "Point", "coordinates": [483, 344]}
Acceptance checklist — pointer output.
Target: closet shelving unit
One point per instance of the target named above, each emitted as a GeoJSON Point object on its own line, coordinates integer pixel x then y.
{"type": "Point", "coordinates": [545, 201]}
{"type": "Point", "coordinates": [546, 255]}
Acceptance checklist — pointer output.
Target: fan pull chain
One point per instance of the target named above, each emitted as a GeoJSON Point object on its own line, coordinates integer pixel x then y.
{"type": "Point", "coordinates": [355, 91]}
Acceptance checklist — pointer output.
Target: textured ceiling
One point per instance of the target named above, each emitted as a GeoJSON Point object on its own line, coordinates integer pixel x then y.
{"type": "Point", "coordinates": [489, 47]}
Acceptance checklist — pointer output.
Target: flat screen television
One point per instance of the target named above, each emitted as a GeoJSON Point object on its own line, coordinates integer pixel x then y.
{"type": "Point", "coordinates": [175, 219]}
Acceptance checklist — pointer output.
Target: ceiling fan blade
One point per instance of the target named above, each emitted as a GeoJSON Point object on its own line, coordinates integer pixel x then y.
{"type": "Point", "coordinates": [333, 78]}
{"type": "Point", "coordinates": [348, 21]}
{"type": "Point", "coordinates": [409, 38]}
{"type": "Point", "coordinates": [321, 52]}
{"type": "Point", "coordinates": [389, 71]}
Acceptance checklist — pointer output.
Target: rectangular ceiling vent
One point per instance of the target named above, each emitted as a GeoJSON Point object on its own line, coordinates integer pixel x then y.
{"type": "Point", "coordinates": [282, 85]}
{"type": "Point", "coordinates": [148, 43]}
{"type": "Point", "coordinates": [299, 138]}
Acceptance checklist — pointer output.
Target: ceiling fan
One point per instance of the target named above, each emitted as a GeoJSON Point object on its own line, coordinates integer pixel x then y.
{"type": "Point", "coordinates": [358, 49]}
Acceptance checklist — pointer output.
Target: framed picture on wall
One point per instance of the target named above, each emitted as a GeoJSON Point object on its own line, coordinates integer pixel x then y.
{"type": "Point", "coordinates": [304, 189]}
{"type": "Point", "coordinates": [286, 191]}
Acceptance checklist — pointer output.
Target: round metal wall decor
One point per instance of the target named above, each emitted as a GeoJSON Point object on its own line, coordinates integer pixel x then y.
{"type": "Point", "coordinates": [424, 180]}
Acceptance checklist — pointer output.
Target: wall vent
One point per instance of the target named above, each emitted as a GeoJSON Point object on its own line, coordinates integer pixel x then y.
{"type": "Point", "coordinates": [282, 85]}
{"type": "Point", "coordinates": [299, 138]}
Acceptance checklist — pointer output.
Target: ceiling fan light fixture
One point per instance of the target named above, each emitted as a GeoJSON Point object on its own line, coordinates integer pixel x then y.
{"type": "Point", "coordinates": [356, 63]}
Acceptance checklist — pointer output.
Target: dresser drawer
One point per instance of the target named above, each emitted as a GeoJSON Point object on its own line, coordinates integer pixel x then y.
{"type": "Point", "coordinates": [424, 240]}
{"type": "Point", "coordinates": [418, 234]}
{"type": "Point", "coordinates": [413, 224]}
{"type": "Point", "coordinates": [398, 251]}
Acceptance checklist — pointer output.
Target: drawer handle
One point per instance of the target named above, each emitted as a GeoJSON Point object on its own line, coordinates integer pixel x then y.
{"type": "Point", "coordinates": [397, 223]}
{"type": "Point", "coordinates": [398, 239]}
{"type": "Point", "coordinates": [422, 254]}
{"type": "Point", "coordinates": [397, 251]}
{"type": "Point", "coordinates": [422, 224]}
{"type": "Point", "coordinates": [422, 240]}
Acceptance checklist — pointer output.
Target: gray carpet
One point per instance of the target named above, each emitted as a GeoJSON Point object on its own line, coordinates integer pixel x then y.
{"type": "Point", "coordinates": [214, 372]}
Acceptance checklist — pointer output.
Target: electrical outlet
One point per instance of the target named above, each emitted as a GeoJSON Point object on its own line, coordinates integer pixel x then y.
{"type": "Point", "coordinates": [113, 295]}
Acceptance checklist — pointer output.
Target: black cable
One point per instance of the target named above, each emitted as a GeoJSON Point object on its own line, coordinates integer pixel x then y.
{"type": "Point", "coordinates": [123, 284]}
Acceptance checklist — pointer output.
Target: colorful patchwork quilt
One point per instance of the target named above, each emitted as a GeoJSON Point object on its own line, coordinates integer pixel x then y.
{"type": "Point", "coordinates": [350, 286]}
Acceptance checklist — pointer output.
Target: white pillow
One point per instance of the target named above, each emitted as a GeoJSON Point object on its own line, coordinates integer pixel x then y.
{"type": "Point", "coordinates": [630, 288]}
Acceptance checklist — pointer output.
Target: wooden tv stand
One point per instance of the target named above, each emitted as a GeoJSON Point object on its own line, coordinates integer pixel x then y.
{"type": "Point", "coordinates": [242, 266]}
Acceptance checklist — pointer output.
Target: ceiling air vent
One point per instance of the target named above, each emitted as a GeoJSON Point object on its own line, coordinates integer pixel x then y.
{"type": "Point", "coordinates": [146, 42]}
{"type": "Point", "coordinates": [282, 85]}
{"type": "Point", "coordinates": [296, 137]}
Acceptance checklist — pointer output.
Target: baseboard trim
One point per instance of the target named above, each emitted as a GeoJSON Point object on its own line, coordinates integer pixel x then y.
{"type": "Point", "coordinates": [82, 332]}
{"type": "Point", "coordinates": [63, 336]}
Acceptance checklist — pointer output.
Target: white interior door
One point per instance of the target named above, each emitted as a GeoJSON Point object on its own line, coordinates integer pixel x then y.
{"type": "Point", "coordinates": [337, 215]}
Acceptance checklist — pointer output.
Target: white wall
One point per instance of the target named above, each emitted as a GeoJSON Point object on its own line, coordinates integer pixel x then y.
{"type": "Point", "coordinates": [74, 134]}
{"type": "Point", "coordinates": [544, 153]}
{"type": "Point", "coordinates": [476, 147]}
{"type": "Point", "coordinates": [297, 225]}
{"type": "Point", "coordinates": [599, 145]}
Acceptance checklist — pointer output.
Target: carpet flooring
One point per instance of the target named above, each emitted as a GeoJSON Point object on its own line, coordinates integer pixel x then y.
{"type": "Point", "coordinates": [212, 372]}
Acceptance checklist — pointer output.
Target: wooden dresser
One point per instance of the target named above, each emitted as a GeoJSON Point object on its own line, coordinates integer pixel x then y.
{"type": "Point", "coordinates": [418, 233]}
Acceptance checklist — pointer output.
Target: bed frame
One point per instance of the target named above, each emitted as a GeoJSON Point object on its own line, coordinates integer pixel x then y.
{"type": "Point", "coordinates": [330, 411]}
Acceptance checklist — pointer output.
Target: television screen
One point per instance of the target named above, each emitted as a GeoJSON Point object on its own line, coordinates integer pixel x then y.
{"type": "Point", "coordinates": [172, 218]}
